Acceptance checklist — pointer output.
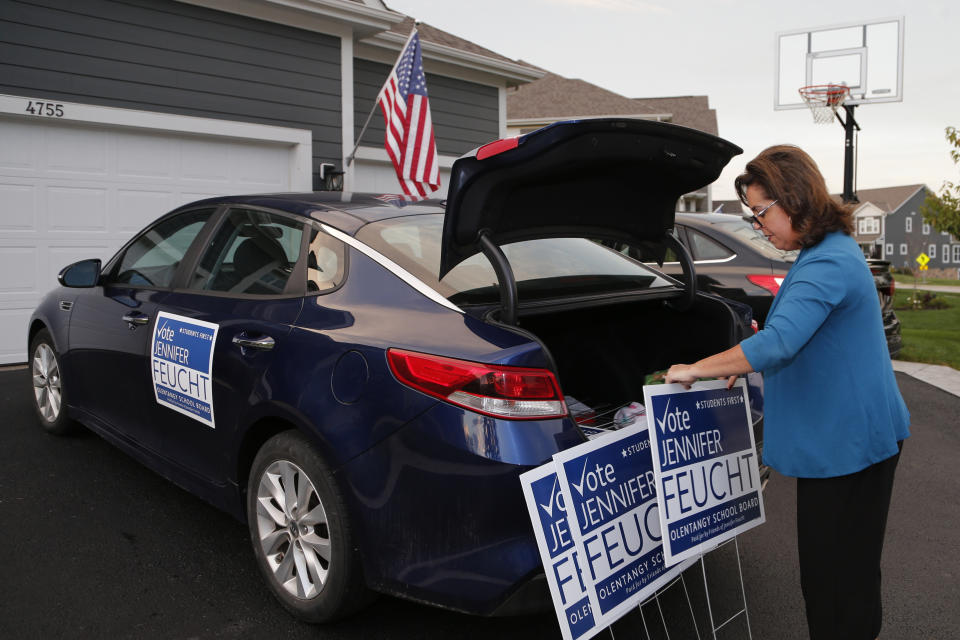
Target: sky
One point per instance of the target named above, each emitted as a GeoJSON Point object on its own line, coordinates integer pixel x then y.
{"type": "Point", "coordinates": [725, 49]}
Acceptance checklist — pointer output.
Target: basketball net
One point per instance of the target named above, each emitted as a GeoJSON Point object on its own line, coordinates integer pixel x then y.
{"type": "Point", "coordinates": [824, 100]}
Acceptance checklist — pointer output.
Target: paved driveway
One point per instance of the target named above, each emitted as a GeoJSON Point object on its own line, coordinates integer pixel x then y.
{"type": "Point", "coordinates": [94, 546]}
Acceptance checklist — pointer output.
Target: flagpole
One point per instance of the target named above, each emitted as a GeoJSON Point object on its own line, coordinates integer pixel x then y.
{"type": "Point", "coordinates": [362, 131]}
{"type": "Point", "coordinates": [377, 100]}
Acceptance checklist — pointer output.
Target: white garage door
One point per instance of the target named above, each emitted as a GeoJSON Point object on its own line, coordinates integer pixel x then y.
{"type": "Point", "coordinates": [71, 190]}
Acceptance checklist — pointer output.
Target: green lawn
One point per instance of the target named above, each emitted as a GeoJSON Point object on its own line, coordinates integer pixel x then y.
{"type": "Point", "coordinates": [905, 280]}
{"type": "Point", "coordinates": [931, 336]}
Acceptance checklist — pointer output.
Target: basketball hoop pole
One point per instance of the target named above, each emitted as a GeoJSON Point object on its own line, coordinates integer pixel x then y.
{"type": "Point", "coordinates": [849, 126]}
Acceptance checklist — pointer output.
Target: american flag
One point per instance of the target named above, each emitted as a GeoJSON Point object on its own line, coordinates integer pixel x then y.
{"type": "Point", "coordinates": [406, 114]}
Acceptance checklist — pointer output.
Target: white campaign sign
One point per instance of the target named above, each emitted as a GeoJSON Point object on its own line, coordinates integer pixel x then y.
{"type": "Point", "coordinates": [705, 464]}
{"type": "Point", "coordinates": [551, 528]}
{"type": "Point", "coordinates": [595, 517]}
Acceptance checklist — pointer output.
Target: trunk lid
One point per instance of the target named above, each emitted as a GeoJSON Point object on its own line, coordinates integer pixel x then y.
{"type": "Point", "coordinates": [608, 178]}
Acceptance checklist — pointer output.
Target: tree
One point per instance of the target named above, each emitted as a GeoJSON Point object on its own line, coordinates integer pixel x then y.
{"type": "Point", "coordinates": [943, 211]}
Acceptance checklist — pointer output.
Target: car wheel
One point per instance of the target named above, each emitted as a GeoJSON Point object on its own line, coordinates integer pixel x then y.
{"type": "Point", "coordinates": [49, 392]}
{"type": "Point", "coordinates": [300, 532]}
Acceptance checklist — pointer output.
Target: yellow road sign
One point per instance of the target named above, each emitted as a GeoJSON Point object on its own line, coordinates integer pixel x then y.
{"type": "Point", "coordinates": [923, 267]}
{"type": "Point", "coordinates": [923, 259]}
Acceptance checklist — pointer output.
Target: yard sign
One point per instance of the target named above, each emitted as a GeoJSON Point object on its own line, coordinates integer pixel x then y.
{"type": "Point", "coordinates": [595, 517]}
{"type": "Point", "coordinates": [705, 464]}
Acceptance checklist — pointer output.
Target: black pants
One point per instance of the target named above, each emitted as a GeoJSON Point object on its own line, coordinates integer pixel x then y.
{"type": "Point", "coordinates": [840, 527]}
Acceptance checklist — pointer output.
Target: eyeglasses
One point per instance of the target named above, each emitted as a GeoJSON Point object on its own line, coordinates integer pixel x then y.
{"type": "Point", "coordinates": [757, 218]}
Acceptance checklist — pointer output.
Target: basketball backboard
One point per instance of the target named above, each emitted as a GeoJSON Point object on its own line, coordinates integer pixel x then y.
{"type": "Point", "coordinates": [865, 56]}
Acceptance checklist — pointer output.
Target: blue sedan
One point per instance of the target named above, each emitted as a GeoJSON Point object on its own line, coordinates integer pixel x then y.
{"type": "Point", "coordinates": [362, 380]}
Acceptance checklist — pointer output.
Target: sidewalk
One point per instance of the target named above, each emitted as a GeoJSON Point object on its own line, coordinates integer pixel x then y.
{"type": "Point", "coordinates": [941, 288]}
{"type": "Point", "coordinates": [939, 376]}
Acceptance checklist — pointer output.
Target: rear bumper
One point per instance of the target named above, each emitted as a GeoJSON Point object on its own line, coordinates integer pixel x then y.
{"type": "Point", "coordinates": [439, 514]}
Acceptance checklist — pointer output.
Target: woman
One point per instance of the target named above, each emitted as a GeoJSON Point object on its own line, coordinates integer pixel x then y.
{"type": "Point", "coordinates": [834, 417]}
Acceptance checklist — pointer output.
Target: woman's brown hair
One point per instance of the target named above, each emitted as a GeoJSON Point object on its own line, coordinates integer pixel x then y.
{"type": "Point", "coordinates": [791, 177]}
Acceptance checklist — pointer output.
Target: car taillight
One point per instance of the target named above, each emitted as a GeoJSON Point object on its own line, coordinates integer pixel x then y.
{"type": "Point", "coordinates": [878, 270]}
{"type": "Point", "coordinates": [497, 147]}
{"type": "Point", "coordinates": [503, 392]}
{"type": "Point", "coordinates": [768, 282]}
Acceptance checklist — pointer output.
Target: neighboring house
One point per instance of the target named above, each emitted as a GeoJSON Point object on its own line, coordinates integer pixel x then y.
{"type": "Point", "coordinates": [728, 206]}
{"type": "Point", "coordinates": [904, 235]}
{"type": "Point", "coordinates": [553, 97]}
{"type": "Point", "coordinates": [115, 111]}
{"type": "Point", "coordinates": [868, 221]}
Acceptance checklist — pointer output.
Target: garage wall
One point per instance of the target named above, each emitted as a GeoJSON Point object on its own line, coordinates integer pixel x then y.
{"type": "Point", "coordinates": [170, 57]}
{"type": "Point", "coordinates": [465, 114]}
{"type": "Point", "coordinates": [80, 185]}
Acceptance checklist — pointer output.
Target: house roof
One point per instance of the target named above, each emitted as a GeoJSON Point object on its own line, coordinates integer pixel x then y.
{"type": "Point", "coordinates": [554, 97]}
{"type": "Point", "coordinates": [727, 206]}
{"type": "Point", "coordinates": [689, 111]}
{"type": "Point", "coordinates": [429, 33]}
{"type": "Point", "coordinates": [889, 199]}
{"type": "Point", "coordinates": [440, 47]}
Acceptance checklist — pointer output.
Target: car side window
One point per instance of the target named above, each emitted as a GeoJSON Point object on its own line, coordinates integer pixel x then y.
{"type": "Point", "coordinates": [706, 249]}
{"type": "Point", "coordinates": [152, 259]}
{"type": "Point", "coordinates": [253, 252]}
{"type": "Point", "coordinates": [325, 262]}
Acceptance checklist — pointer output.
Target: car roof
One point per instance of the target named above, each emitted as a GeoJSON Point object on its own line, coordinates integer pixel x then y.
{"type": "Point", "coordinates": [346, 211]}
{"type": "Point", "coordinates": [707, 218]}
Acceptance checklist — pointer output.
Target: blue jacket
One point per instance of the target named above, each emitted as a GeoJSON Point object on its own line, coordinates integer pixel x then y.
{"type": "Point", "coordinates": [832, 405]}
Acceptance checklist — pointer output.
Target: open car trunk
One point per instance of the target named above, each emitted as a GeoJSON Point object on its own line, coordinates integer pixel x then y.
{"type": "Point", "coordinates": [603, 353]}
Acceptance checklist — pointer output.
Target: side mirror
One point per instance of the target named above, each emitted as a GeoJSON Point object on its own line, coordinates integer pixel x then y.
{"type": "Point", "coordinates": [85, 273]}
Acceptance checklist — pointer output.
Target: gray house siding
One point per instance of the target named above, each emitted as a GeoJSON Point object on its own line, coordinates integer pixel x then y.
{"type": "Point", "coordinates": [165, 56]}
{"type": "Point", "coordinates": [465, 114]}
{"type": "Point", "coordinates": [916, 240]}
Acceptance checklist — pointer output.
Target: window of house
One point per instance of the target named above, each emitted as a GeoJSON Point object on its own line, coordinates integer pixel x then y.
{"type": "Point", "coordinates": [903, 249]}
{"type": "Point", "coordinates": [956, 253]}
{"type": "Point", "coordinates": [926, 228]}
{"type": "Point", "coordinates": [889, 250]}
{"type": "Point", "coordinates": [932, 251]}
{"type": "Point", "coordinates": [946, 253]}
{"type": "Point", "coordinates": [909, 225]}
{"type": "Point", "coordinates": [868, 226]}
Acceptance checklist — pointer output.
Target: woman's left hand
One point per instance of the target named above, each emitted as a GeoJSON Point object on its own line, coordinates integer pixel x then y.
{"type": "Point", "coordinates": [681, 373]}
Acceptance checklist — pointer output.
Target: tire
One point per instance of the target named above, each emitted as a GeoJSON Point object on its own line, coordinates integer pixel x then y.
{"type": "Point", "coordinates": [49, 390]}
{"type": "Point", "coordinates": [300, 532]}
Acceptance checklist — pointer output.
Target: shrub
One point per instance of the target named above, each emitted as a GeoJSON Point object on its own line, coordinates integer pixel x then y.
{"type": "Point", "coordinates": [923, 300]}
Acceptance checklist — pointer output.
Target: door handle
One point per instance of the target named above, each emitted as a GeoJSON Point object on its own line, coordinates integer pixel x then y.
{"type": "Point", "coordinates": [263, 343]}
{"type": "Point", "coordinates": [136, 318]}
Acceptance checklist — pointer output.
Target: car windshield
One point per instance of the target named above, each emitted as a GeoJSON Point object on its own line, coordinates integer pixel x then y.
{"type": "Point", "coordinates": [746, 233]}
{"type": "Point", "coordinates": [543, 268]}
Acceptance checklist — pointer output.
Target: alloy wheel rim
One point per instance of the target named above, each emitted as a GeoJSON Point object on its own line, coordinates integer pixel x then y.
{"type": "Point", "coordinates": [292, 530]}
{"type": "Point", "coordinates": [47, 389]}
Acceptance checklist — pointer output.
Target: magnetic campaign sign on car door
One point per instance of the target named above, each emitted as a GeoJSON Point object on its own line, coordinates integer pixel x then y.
{"type": "Point", "coordinates": [705, 463]}
{"type": "Point", "coordinates": [598, 529]}
{"type": "Point", "coordinates": [182, 365]}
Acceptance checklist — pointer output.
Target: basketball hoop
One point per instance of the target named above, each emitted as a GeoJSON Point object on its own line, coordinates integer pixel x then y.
{"type": "Point", "coordinates": [824, 100]}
